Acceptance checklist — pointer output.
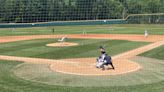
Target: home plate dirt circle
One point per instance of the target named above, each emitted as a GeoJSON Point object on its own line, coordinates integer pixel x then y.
{"type": "Point", "coordinates": [86, 66]}
{"type": "Point", "coordinates": [62, 44]}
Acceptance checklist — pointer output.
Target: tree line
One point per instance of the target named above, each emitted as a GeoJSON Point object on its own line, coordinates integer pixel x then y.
{"type": "Point", "coordinates": [27, 11]}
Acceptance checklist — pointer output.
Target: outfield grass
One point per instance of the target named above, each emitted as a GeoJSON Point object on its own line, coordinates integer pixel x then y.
{"type": "Point", "coordinates": [157, 53]}
{"type": "Point", "coordinates": [86, 48]}
{"type": "Point", "coordinates": [90, 29]}
{"type": "Point", "coordinates": [10, 83]}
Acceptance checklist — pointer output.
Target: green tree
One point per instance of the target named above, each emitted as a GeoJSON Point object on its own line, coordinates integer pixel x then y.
{"type": "Point", "coordinates": [2, 10]}
{"type": "Point", "coordinates": [135, 7]}
{"type": "Point", "coordinates": [57, 10]}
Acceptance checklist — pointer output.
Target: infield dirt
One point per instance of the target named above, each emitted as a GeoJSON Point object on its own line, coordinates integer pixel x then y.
{"type": "Point", "coordinates": [86, 66]}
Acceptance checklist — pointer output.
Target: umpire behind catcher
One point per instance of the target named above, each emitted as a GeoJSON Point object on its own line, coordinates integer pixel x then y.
{"type": "Point", "coordinates": [104, 59]}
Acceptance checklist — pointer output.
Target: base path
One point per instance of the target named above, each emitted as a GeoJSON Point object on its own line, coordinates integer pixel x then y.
{"type": "Point", "coordinates": [86, 66]}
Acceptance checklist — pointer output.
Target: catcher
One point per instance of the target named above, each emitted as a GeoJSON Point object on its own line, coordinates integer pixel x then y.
{"type": "Point", "coordinates": [104, 59]}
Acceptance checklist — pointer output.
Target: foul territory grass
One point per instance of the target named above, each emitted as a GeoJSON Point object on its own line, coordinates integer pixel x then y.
{"type": "Point", "coordinates": [157, 53]}
{"type": "Point", "coordinates": [10, 83]}
{"type": "Point", "coordinates": [156, 29]}
{"type": "Point", "coordinates": [86, 48]}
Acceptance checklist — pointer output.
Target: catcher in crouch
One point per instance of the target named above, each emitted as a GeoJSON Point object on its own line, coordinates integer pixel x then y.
{"type": "Point", "coordinates": [104, 59]}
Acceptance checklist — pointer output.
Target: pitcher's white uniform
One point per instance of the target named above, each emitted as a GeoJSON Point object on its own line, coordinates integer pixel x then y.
{"type": "Point", "coordinates": [146, 33]}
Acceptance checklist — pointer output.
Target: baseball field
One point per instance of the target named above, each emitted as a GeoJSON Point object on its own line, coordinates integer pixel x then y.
{"type": "Point", "coordinates": [30, 60]}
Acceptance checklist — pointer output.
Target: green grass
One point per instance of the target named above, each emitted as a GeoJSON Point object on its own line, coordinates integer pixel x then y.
{"type": "Point", "coordinates": [157, 53]}
{"type": "Point", "coordinates": [36, 48]}
{"type": "Point", "coordinates": [10, 83]}
{"type": "Point", "coordinates": [41, 73]}
{"type": "Point", "coordinates": [86, 48]}
{"type": "Point", "coordinates": [90, 29]}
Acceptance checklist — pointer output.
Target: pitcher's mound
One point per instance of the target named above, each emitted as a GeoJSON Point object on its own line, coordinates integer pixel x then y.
{"type": "Point", "coordinates": [62, 44]}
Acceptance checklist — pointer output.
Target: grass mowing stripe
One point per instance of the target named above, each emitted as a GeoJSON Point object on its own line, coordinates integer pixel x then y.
{"type": "Point", "coordinates": [157, 53]}
{"type": "Point", "coordinates": [87, 48]}
{"type": "Point", "coordinates": [21, 46]}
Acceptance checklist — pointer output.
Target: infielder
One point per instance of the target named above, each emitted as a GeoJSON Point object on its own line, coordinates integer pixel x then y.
{"type": "Point", "coordinates": [104, 59]}
{"type": "Point", "coordinates": [146, 34]}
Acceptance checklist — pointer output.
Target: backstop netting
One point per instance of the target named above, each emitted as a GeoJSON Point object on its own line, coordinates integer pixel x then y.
{"type": "Point", "coordinates": [36, 11]}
